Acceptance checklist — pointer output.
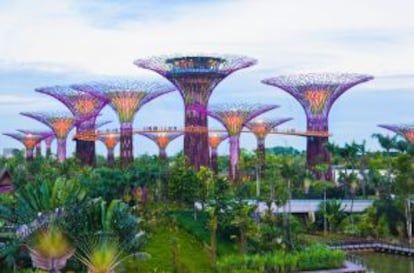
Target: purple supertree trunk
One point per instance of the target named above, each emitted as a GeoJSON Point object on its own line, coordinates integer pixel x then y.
{"type": "Point", "coordinates": [234, 169]}
{"type": "Point", "coordinates": [214, 160]}
{"type": "Point", "coordinates": [111, 157]}
{"type": "Point", "coordinates": [61, 149]}
{"type": "Point", "coordinates": [162, 154]}
{"type": "Point", "coordinates": [85, 150]}
{"type": "Point", "coordinates": [261, 152]}
{"type": "Point", "coordinates": [48, 150]}
{"type": "Point", "coordinates": [196, 144]}
{"type": "Point", "coordinates": [126, 141]}
{"type": "Point", "coordinates": [39, 149]}
{"type": "Point", "coordinates": [316, 151]}
{"type": "Point", "coordinates": [29, 154]}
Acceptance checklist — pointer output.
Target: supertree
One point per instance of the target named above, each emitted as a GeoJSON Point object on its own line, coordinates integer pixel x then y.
{"type": "Point", "coordinates": [261, 128]}
{"type": "Point", "coordinates": [234, 117]}
{"type": "Point", "coordinates": [404, 130]}
{"type": "Point", "coordinates": [126, 98]}
{"type": "Point", "coordinates": [60, 124]}
{"type": "Point", "coordinates": [28, 140]}
{"type": "Point", "coordinates": [45, 135]}
{"type": "Point", "coordinates": [317, 92]}
{"type": "Point", "coordinates": [195, 76]}
{"type": "Point", "coordinates": [214, 140]}
{"type": "Point", "coordinates": [162, 139]}
{"type": "Point", "coordinates": [110, 139]}
{"type": "Point", "coordinates": [81, 105]}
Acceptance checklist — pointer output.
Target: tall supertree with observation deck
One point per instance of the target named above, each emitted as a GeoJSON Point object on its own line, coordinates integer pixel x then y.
{"type": "Point", "coordinates": [60, 124]}
{"type": "Point", "coordinates": [404, 130]}
{"type": "Point", "coordinates": [234, 117]}
{"type": "Point", "coordinates": [126, 98]}
{"type": "Point", "coordinates": [162, 139]}
{"type": "Point", "coordinates": [196, 76]}
{"type": "Point", "coordinates": [28, 140]}
{"type": "Point", "coordinates": [45, 135]}
{"type": "Point", "coordinates": [110, 139]}
{"type": "Point", "coordinates": [317, 92]}
{"type": "Point", "coordinates": [214, 140]}
{"type": "Point", "coordinates": [261, 128]}
{"type": "Point", "coordinates": [81, 105]}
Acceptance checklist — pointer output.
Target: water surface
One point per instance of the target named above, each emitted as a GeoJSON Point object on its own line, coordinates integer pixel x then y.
{"type": "Point", "coordinates": [385, 263]}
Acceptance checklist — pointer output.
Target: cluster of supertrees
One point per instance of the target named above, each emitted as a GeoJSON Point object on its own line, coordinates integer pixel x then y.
{"type": "Point", "coordinates": [195, 77]}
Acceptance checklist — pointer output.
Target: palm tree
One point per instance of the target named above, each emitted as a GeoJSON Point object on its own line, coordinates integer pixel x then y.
{"type": "Point", "coordinates": [387, 143]}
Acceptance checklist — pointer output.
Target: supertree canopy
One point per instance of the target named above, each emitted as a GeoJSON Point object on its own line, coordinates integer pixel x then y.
{"type": "Point", "coordinates": [126, 98]}
{"type": "Point", "coordinates": [214, 140]}
{"type": "Point", "coordinates": [234, 117]}
{"type": "Point", "coordinates": [81, 104]}
{"type": "Point", "coordinates": [60, 124]}
{"type": "Point", "coordinates": [404, 130]}
{"type": "Point", "coordinates": [162, 139]}
{"type": "Point", "coordinates": [28, 140]}
{"type": "Point", "coordinates": [317, 93]}
{"type": "Point", "coordinates": [261, 128]}
{"type": "Point", "coordinates": [45, 135]}
{"type": "Point", "coordinates": [195, 76]}
{"type": "Point", "coordinates": [110, 139]}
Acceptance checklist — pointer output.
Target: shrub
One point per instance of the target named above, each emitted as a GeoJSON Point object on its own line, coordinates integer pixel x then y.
{"type": "Point", "coordinates": [312, 258]}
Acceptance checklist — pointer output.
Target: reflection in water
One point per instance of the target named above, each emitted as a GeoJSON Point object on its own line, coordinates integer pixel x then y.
{"type": "Point", "coordinates": [385, 263]}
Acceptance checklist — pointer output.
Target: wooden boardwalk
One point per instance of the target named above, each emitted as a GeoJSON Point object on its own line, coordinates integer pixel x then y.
{"type": "Point", "coordinates": [375, 246]}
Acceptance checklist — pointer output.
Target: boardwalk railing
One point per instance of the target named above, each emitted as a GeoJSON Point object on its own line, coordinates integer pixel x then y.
{"type": "Point", "coordinates": [378, 246]}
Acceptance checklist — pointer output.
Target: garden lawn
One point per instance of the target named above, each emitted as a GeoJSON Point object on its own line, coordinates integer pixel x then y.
{"type": "Point", "coordinates": [192, 255]}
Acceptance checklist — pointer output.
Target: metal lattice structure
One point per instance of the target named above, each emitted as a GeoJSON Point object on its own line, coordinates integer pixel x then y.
{"type": "Point", "coordinates": [261, 128]}
{"type": "Point", "coordinates": [214, 140]}
{"type": "Point", "coordinates": [126, 98]}
{"type": "Point", "coordinates": [404, 130]}
{"type": "Point", "coordinates": [44, 136]}
{"type": "Point", "coordinates": [60, 124]}
{"type": "Point", "coordinates": [234, 117]}
{"type": "Point", "coordinates": [162, 140]}
{"type": "Point", "coordinates": [110, 139]}
{"type": "Point", "coordinates": [317, 92]}
{"type": "Point", "coordinates": [28, 140]}
{"type": "Point", "coordinates": [196, 76]}
{"type": "Point", "coordinates": [81, 104]}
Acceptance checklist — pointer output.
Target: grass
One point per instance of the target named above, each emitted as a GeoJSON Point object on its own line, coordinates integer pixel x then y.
{"type": "Point", "coordinates": [192, 255]}
{"type": "Point", "coordinates": [198, 228]}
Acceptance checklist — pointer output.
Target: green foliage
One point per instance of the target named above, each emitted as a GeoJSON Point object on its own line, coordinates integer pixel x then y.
{"type": "Point", "coordinates": [183, 184]}
{"type": "Point", "coordinates": [312, 258]}
{"type": "Point", "coordinates": [334, 213]}
{"type": "Point", "coordinates": [191, 254]}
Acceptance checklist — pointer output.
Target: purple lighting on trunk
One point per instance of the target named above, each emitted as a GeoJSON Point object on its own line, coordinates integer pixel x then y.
{"type": "Point", "coordinates": [196, 76]}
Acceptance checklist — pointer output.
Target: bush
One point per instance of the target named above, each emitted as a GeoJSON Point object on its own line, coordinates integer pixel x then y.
{"type": "Point", "coordinates": [312, 258]}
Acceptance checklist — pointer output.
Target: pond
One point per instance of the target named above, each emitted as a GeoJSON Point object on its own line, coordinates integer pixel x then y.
{"type": "Point", "coordinates": [385, 263]}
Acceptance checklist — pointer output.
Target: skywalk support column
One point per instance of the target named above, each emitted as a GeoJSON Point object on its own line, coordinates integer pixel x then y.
{"type": "Point", "coordinates": [196, 76]}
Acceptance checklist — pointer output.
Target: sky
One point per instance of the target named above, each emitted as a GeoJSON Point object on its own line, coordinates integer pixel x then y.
{"type": "Point", "coordinates": [49, 42]}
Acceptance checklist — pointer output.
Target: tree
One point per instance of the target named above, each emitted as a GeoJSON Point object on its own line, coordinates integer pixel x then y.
{"type": "Point", "coordinates": [403, 186]}
{"type": "Point", "coordinates": [387, 143]}
{"type": "Point", "coordinates": [334, 213]}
